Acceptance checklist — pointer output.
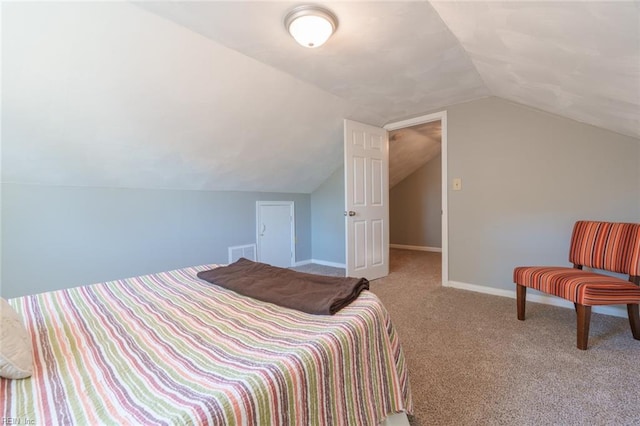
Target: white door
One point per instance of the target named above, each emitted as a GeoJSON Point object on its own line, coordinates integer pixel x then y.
{"type": "Point", "coordinates": [275, 228]}
{"type": "Point", "coordinates": [366, 153]}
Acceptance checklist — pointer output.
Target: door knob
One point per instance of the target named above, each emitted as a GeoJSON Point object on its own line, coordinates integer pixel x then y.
{"type": "Point", "coordinates": [350, 213]}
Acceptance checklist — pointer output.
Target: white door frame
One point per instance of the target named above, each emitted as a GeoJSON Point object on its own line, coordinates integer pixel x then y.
{"type": "Point", "coordinates": [293, 226]}
{"type": "Point", "coordinates": [442, 117]}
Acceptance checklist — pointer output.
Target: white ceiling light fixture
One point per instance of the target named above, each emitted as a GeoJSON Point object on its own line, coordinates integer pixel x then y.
{"type": "Point", "coordinates": [310, 25]}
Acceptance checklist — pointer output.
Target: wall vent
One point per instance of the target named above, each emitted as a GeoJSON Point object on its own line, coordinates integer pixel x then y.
{"type": "Point", "coordinates": [248, 251]}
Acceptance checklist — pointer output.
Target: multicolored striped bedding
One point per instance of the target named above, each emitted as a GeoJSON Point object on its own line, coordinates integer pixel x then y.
{"type": "Point", "coordinates": [171, 349]}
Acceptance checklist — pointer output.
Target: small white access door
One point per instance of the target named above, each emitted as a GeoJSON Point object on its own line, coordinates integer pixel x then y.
{"type": "Point", "coordinates": [366, 164]}
{"type": "Point", "coordinates": [275, 226]}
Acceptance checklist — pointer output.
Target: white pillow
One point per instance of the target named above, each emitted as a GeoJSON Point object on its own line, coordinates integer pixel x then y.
{"type": "Point", "coordinates": [16, 353]}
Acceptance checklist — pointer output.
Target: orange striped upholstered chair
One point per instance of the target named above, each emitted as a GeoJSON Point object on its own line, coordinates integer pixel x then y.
{"type": "Point", "coordinates": [613, 247]}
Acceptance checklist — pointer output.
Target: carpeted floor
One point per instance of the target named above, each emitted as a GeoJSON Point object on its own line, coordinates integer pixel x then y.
{"type": "Point", "coordinates": [471, 362]}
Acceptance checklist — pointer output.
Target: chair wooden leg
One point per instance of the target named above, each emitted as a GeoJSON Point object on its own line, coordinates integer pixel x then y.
{"type": "Point", "coordinates": [634, 320]}
{"type": "Point", "coordinates": [584, 318]}
{"type": "Point", "coordinates": [521, 297]}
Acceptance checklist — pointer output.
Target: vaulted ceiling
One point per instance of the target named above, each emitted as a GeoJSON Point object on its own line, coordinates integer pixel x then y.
{"type": "Point", "coordinates": [411, 148]}
{"type": "Point", "coordinates": [217, 96]}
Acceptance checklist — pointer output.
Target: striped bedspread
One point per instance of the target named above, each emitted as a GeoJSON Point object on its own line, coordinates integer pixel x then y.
{"type": "Point", "coordinates": [171, 349]}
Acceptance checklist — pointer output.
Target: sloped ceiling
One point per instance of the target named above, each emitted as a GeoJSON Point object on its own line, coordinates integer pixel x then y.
{"type": "Point", "coordinates": [580, 59]}
{"type": "Point", "coordinates": [411, 148]}
{"type": "Point", "coordinates": [217, 96]}
{"type": "Point", "coordinates": [393, 58]}
{"type": "Point", "coordinates": [108, 95]}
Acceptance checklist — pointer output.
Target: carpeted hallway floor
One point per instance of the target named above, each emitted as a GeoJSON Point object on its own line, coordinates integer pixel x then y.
{"type": "Point", "coordinates": [471, 362]}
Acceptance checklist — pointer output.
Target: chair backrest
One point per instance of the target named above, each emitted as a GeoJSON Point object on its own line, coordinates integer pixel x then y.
{"type": "Point", "coordinates": [610, 246]}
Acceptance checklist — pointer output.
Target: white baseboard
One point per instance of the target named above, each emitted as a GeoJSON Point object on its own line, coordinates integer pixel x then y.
{"type": "Point", "coordinates": [481, 289]}
{"type": "Point", "coordinates": [536, 297]}
{"type": "Point", "coordinates": [417, 248]}
{"type": "Point", "coordinates": [327, 263]}
{"type": "Point", "coordinates": [320, 262]}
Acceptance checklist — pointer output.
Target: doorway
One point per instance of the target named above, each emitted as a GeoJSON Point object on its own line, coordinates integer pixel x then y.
{"type": "Point", "coordinates": [275, 233]}
{"type": "Point", "coordinates": [423, 122]}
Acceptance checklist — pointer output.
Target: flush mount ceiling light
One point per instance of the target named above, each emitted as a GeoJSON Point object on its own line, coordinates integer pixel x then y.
{"type": "Point", "coordinates": [311, 26]}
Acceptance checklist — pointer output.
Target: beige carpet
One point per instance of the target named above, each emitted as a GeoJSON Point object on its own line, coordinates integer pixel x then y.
{"type": "Point", "coordinates": [471, 362]}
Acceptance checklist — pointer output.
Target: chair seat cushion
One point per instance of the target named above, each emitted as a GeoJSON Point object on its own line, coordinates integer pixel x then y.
{"type": "Point", "coordinates": [578, 286]}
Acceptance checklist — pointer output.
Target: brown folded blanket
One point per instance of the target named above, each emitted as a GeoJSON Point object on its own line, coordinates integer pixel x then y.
{"type": "Point", "coordinates": [314, 294]}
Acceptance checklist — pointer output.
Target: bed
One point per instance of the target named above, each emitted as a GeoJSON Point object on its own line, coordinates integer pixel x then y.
{"type": "Point", "coordinates": [169, 348]}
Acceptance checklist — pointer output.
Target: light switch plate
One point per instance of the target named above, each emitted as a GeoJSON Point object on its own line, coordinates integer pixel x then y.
{"type": "Point", "coordinates": [457, 184]}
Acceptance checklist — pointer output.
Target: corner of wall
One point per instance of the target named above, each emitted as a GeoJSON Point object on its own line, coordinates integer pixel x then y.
{"type": "Point", "coordinates": [327, 219]}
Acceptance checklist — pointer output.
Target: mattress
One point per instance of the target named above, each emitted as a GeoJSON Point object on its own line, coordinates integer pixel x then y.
{"type": "Point", "coordinates": [171, 349]}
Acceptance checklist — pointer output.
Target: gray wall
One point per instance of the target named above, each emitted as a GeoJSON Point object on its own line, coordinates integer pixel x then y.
{"type": "Point", "coordinates": [56, 237]}
{"type": "Point", "coordinates": [527, 176]}
{"type": "Point", "coordinates": [414, 207]}
{"type": "Point", "coordinates": [327, 219]}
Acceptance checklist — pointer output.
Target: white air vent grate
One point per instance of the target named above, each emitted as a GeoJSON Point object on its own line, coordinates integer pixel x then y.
{"type": "Point", "coordinates": [248, 251]}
